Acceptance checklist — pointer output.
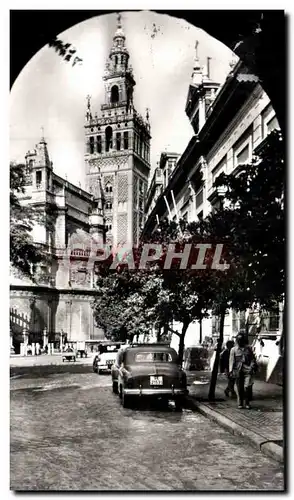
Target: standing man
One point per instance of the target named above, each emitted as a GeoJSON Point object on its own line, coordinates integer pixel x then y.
{"type": "Point", "coordinates": [224, 368]}
{"type": "Point", "coordinates": [242, 367]}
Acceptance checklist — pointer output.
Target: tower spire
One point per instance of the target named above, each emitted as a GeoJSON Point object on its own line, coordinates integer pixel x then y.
{"type": "Point", "coordinates": [119, 20]}
{"type": "Point", "coordinates": [197, 70]}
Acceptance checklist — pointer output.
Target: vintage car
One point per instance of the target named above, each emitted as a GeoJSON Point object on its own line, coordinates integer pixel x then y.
{"type": "Point", "coordinates": [196, 358]}
{"type": "Point", "coordinates": [148, 370]}
{"type": "Point", "coordinates": [69, 355]}
{"type": "Point", "coordinates": [106, 356]}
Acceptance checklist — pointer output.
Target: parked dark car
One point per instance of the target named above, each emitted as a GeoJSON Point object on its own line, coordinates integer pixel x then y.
{"type": "Point", "coordinates": [196, 358]}
{"type": "Point", "coordinates": [148, 371]}
{"type": "Point", "coordinates": [106, 356]}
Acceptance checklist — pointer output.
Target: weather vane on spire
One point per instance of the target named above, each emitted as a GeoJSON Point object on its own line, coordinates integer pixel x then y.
{"type": "Point", "coordinates": [88, 101]}
{"type": "Point", "coordinates": [88, 114]}
{"type": "Point", "coordinates": [119, 20]}
{"type": "Point", "coordinates": [42, 133]}
{"type": "Point", "coordinates": [196, 48]}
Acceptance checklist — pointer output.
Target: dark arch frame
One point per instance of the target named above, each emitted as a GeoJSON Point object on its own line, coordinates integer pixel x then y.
{"type": "Point", "coordinates": [108, 138]}
{"type": "Point", "coordinates": [114, 94]}
{"type": "Point", "coordinates": [257, 37]}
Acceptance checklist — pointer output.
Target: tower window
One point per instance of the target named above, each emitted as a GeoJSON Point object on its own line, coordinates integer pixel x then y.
{"type": "Point", "coordinates": [114, 94]}
{"type": "Point", "coordinates": [91, 145]}
{"type": "Point", "coordinates": [108, 137]}
{"type": "Point", "coordinates": [38, 177]}
{"type": "Point", "coordinates": [108, 188]}
{"type": "Point", "coordinates": [108, 205]}
{"type": "Point", "coordinates": [99, 144]}
{"type": "Point", "coordinates": [118, 141]}
{"type": "Point", "coordinates": [115, 60]}
{"type": "Point", "coordinates": [126, 140]}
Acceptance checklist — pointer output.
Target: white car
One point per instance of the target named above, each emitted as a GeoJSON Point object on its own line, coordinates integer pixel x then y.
{"type": "Point", "coordinates": [106, 357]}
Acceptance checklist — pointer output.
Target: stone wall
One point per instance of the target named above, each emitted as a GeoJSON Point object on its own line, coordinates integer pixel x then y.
{"type": "Point", "coordinates": [67, 311]}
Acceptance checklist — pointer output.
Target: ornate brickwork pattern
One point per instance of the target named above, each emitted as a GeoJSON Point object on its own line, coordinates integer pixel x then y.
{"type": "Point", "coordinates": [122, 228]}
{"type": "Point", "coordinates": [135, 227]}
{"type": "Point", "coordinates": [108, 179]}
{"type": "Point", "coordinates": [122, 189]}
{"type": "Point", "coordinates": [111, 161]}
{"type": "Point", "coordinates": [135, 192]}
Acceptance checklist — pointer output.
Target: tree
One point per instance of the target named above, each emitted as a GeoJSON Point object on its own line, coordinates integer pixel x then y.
{"type": "Point", "coordinates": [24, 254]}
{"type": "Point", "coordinates": [253, 228]}
{"type": "Point", "coordinates": [257, 220]}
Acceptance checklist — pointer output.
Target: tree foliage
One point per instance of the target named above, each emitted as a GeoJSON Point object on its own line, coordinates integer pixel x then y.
{"type": "Point", "coordinates": [24, 254]}
{"type": "Point", "coordinates": [65, 50]}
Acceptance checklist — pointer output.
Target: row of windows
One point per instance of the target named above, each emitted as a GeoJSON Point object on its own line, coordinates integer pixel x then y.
{"type": "Point", "coordinates": [120, 59]}
{"type": "Point", "coordinates": [141, 148]}
{"type": "Point", "coordinates": [119, 142]}
{"type": "Point", "coordinates": [243, 149]}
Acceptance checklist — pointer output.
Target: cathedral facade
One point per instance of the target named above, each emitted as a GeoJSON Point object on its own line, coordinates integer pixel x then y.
{"type": "Point", "coordinates": [57, 308]}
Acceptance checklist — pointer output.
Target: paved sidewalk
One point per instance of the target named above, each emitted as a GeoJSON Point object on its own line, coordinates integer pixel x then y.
{"type": "Point", "coordinates": [262, 425]}
{"type": "Point", "coordinates": [45, 359]}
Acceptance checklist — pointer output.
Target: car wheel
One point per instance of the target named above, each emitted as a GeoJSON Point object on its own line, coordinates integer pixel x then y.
{"type": "Point", "coordinates": [179, 404]}
{"type": "Point", "coordinates": [126, 401]}
{"type": "Point", "coordinates": [114, 387]}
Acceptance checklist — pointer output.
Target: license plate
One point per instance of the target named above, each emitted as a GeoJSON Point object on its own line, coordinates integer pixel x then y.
{"type": "Point", "coordinates": [156, 380]}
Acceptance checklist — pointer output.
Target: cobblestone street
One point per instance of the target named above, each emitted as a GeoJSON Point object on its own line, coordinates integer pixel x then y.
{"type": "Point", "coordinates": [69, 432]}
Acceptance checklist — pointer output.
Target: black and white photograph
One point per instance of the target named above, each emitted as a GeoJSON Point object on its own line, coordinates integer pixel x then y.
{"type": "Point", "coordinates": [147, 283]}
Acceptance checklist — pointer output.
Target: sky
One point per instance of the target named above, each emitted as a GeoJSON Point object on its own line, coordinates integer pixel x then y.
{"type": "Point", "coordinates": [51, 93]}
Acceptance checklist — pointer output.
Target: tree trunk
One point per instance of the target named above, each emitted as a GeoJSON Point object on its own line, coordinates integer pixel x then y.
{"type": "Point", "coordinates": [166, 331]}
{"type": "Point", "coordinates": [200, 331]}
{"type": "Point", "coordinates": [182, 342]}
{"type": "Point", "coordinates": [158, 334]}
{"type": "Point", "coordinates": [211, 394]}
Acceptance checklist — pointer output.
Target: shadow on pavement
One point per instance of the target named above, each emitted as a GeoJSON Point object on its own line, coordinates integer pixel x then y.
{"type": "Point", "coordinates": [47, 370]}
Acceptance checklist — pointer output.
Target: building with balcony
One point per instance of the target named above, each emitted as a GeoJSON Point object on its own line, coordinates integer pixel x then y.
{"type": "Point", "coordinates": [230, 123]}
{"type": "Point", "coordinates": [160, 179]}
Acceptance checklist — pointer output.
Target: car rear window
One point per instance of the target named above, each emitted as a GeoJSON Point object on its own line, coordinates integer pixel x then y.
{"type": "Point", "coordinates": [153, 357]}
{"type": "Point", "coordinates": [108, 348]}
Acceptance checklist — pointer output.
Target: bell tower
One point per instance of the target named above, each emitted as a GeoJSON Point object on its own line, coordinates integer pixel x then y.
{"type": "Point", "coordinates": [118, 148]}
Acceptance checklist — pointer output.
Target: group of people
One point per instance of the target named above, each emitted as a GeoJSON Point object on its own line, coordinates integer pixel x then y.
{"type": "Point", "coordinates": [238, 362]}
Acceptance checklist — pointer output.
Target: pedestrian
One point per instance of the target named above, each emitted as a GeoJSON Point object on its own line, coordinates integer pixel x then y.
{"type": "Point", "coordinates": [242, 367]}
{"type": "Point", "coordinates": [224, 368]}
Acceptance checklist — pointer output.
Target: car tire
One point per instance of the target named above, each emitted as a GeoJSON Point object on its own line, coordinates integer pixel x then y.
{"type": "Point", "coordinates": [126, 401]}
{"type": "Point", "coordinates": [179, 404]}
{"type": "Point", "coordinates": [114, 387]}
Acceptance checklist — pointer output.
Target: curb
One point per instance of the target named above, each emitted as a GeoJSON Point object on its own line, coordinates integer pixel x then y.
{"type": "Point", "coordinates": [268, 448]}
